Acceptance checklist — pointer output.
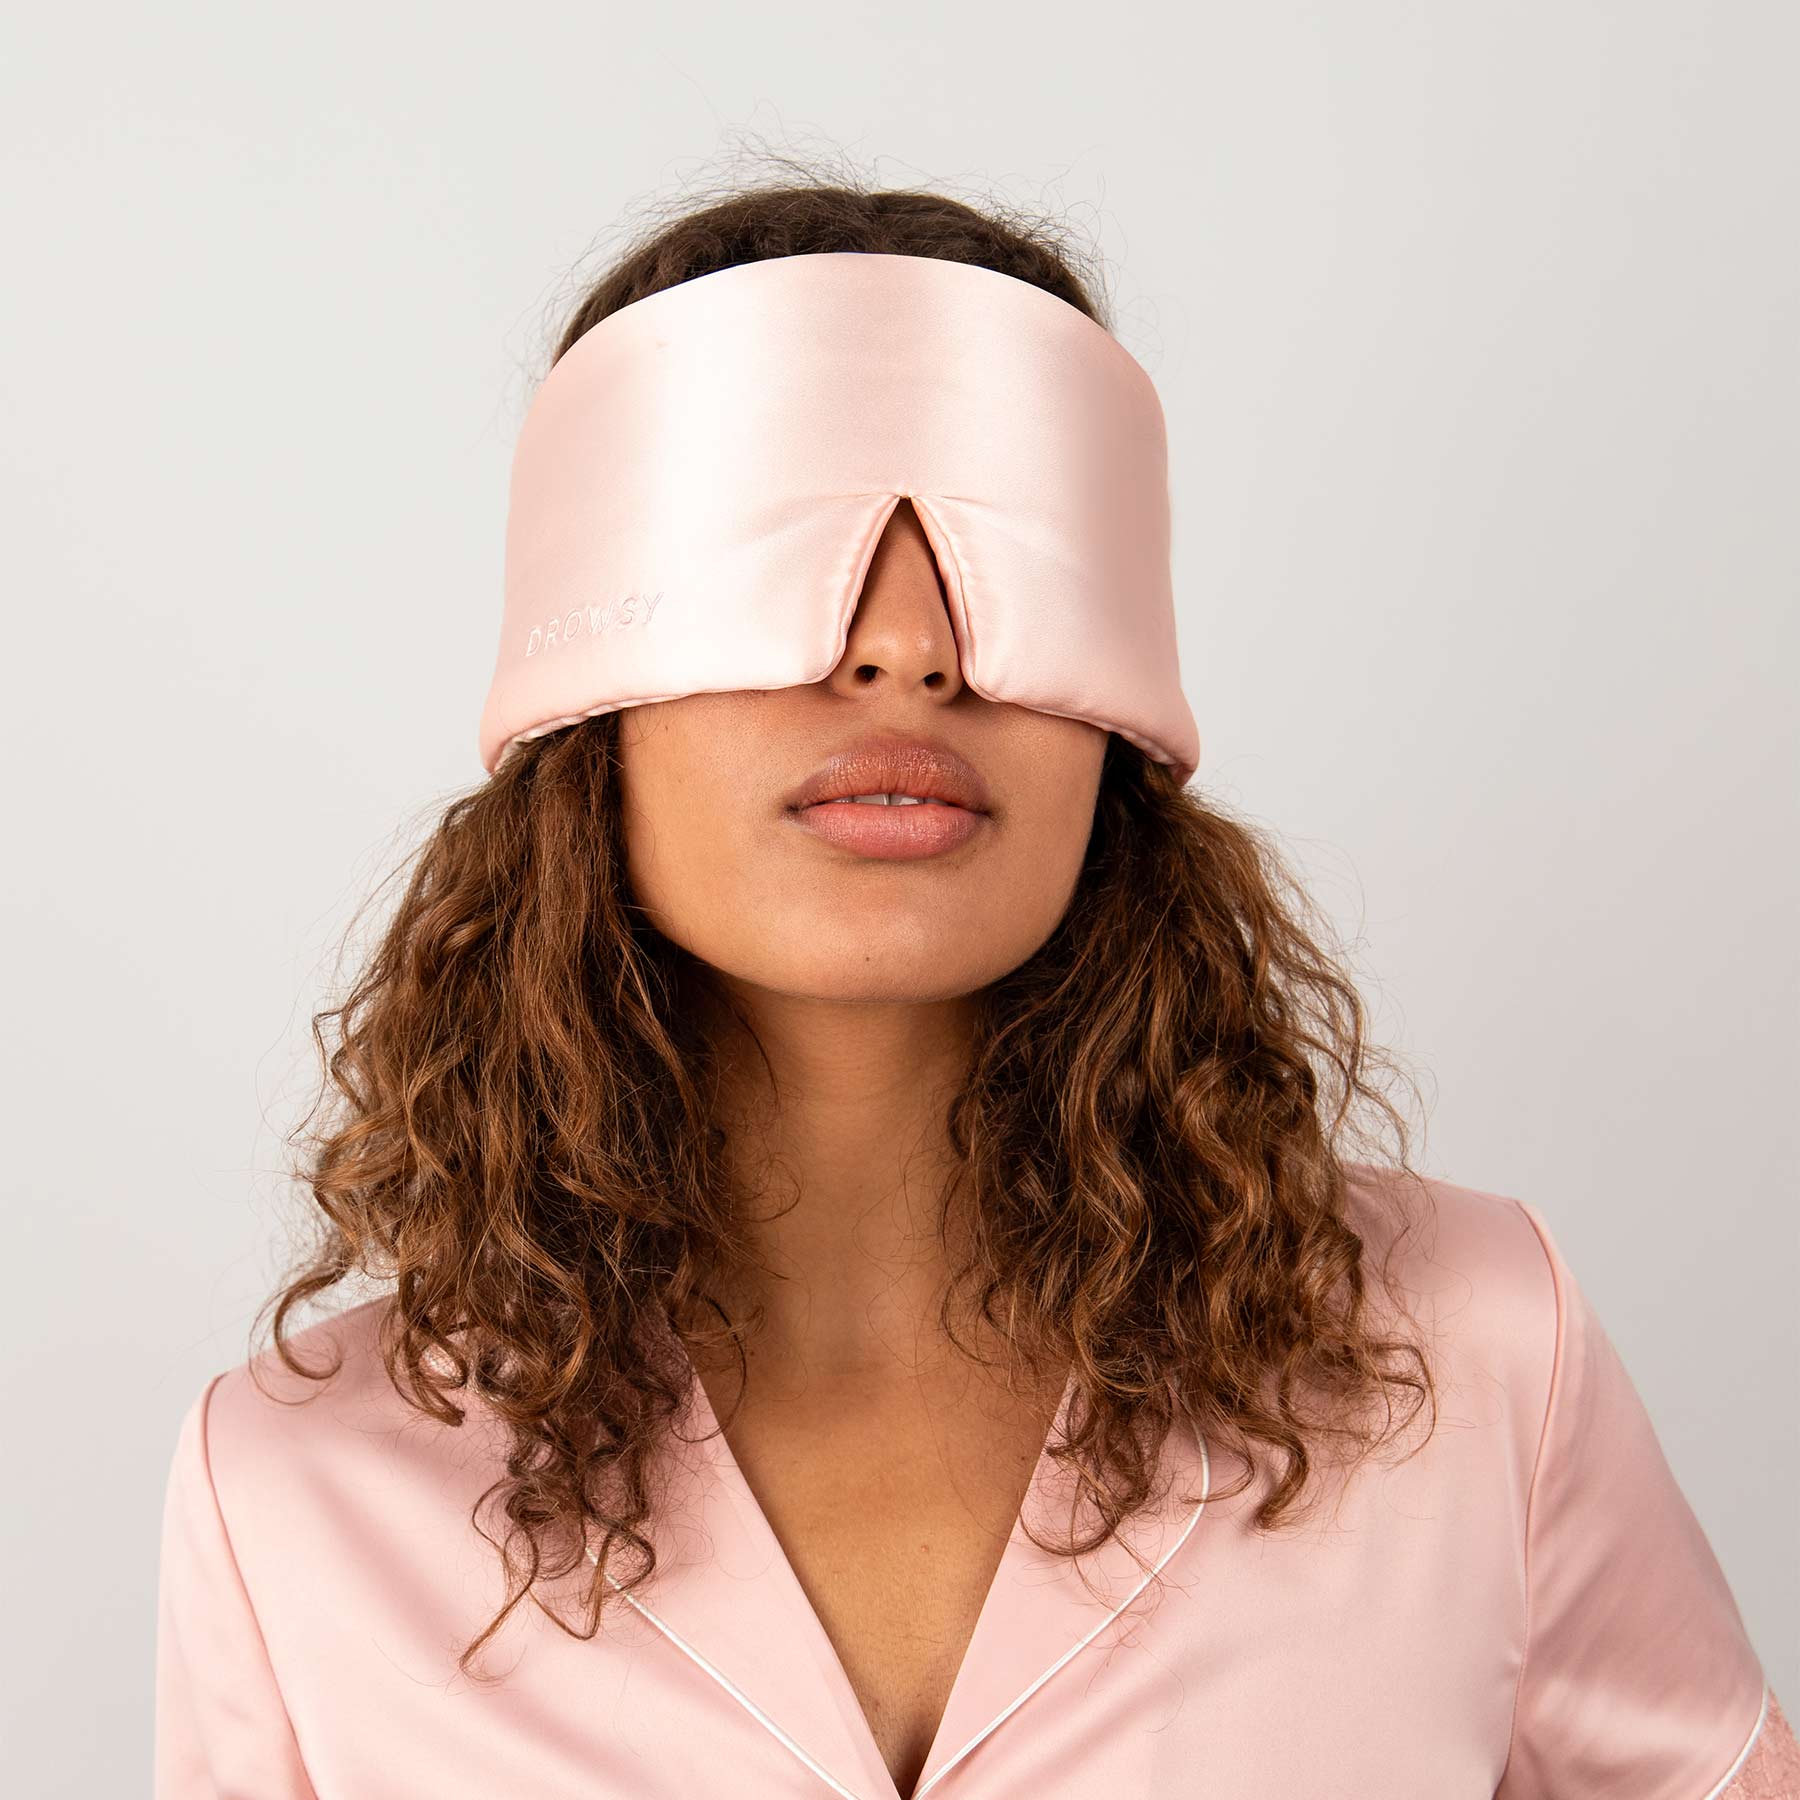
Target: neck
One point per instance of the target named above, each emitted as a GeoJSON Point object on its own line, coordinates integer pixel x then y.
{"type": "Point", "coordinates": [838, 1148]}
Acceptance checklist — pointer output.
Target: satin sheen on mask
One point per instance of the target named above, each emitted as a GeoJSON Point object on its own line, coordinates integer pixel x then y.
{"type": "Point", "coordinates": [702, 480]}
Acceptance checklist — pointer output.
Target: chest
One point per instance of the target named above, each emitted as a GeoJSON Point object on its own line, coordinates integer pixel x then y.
{"type": "Point", "coordinates": [893, 1505]}
{"type": "Point", "coordinates": [1376, 1650]}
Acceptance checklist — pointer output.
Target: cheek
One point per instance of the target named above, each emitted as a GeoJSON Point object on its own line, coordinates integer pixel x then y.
{"type": "Point", "coordinates": [1033, 878]}
{"type": "Point", "coordinates": [685, 863]}
{"type": "Point", "coordinates": [1023, 894]}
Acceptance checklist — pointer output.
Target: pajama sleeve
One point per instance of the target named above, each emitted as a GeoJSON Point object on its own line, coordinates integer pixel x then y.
{"type": "Point", "coordinates": [1771, 1766]}
{"type": "Point", "coordinates": [1639, 1680]}
{"type": "Point", "coordinates": [221, 1731]}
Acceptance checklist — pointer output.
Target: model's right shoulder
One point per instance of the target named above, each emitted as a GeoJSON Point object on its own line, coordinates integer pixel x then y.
{"type": "Point", "coordinates": [302, 1473]}
{"type": "Point", "coordinates": [260, 1410]}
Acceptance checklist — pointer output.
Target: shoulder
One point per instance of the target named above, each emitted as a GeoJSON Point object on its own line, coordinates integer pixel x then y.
{"type": "Point", "coordinates": [259, 1428]}
{"type": "Point", "coordinates": [261, 1402]}
{"type": "Point", "coordinates": [1479, 1262]}
{"type": "Point", "coordinates": [1482, 1287]}
{"type": "Point", "coordinates": [305, 1485]}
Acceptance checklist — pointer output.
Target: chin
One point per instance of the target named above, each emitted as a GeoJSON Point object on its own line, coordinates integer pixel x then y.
{"type": "Point", "coordinates": [874, 972]}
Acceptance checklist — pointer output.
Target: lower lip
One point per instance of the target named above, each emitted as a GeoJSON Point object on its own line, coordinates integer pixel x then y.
{"type": "Point", "coordinates": [892, 833]}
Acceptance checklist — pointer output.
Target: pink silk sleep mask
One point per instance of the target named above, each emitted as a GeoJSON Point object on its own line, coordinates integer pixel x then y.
{"type": "Point", "coordinates": [703, 477]}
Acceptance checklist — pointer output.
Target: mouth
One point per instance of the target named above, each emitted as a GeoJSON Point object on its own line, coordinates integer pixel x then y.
{"type": "Point", "coordinates": [882, 800]}
{"type": "Point", "coordinates": [893, 798]}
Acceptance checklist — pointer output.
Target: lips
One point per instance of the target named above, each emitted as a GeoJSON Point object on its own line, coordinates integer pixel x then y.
{"type": "Point", "coordinates": [952, 797]}
{"type": "Point", "coordinates": [915, 767]}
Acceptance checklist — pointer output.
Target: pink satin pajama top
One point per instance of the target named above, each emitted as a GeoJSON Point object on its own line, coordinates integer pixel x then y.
{"type": "Point", "coordinates": [1525, 1609]}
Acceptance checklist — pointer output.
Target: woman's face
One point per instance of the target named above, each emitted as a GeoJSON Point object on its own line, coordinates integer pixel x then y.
{"type": "Point", "coordinates": [727, 868]}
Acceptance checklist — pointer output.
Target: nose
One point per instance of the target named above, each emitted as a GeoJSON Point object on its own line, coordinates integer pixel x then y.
{"type": "Point", "coordinates": [900, 641]}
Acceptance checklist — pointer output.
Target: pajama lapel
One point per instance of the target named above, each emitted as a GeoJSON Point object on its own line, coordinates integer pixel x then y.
{"type": "Point", "coordinates": [726, 1597]}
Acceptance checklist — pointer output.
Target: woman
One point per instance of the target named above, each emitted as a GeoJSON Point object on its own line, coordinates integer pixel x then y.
{"type": "Point", "coordinates": [856, 1157]}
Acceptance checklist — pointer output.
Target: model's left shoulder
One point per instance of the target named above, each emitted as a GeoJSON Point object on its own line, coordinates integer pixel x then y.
{"type": "Point", "coordinates": [1470, 1266]}
{"type": "Point", "coordinates": [1637, 1675]}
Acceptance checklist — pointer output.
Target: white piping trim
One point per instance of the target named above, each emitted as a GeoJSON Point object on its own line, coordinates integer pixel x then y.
{"type": "Point", "coordinates": [831, 1780]}
{"type": "Point", "coordinates": [1194, 1519]}
{"type": "Point", "coordinates": [737, 1693]}
{"type": "Point", "coordinates": [1743, 1755]}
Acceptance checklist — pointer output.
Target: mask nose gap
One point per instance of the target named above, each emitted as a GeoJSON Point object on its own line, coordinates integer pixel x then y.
{"type": "Point", "coordinates": [865, 673]}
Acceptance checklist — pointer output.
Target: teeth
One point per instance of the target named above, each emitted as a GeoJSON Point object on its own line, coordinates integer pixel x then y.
{"type": "Point", "coordinates": [882, 800]}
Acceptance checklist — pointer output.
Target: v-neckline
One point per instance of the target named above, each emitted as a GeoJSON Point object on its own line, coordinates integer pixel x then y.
{"type": "Point", "coordinates": [713, 1537]}
{"type": "Point", "coordinates": [732, 1471]}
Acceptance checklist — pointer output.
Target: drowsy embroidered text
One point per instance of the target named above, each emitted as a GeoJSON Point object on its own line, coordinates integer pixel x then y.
{"type": "Point", "coordinates": [586, 621]}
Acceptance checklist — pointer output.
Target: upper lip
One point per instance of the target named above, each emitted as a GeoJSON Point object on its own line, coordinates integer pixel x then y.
{"type": "Point", "coordinates": [890, 764]}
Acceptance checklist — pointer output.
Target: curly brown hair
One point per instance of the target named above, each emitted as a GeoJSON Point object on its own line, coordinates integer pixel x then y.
{"type": "Point", "coordinates": [1151, 1134]}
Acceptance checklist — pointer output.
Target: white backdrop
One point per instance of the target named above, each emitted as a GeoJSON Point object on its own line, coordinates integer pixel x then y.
{"type": "Point", "coordinates": [1475, 328]}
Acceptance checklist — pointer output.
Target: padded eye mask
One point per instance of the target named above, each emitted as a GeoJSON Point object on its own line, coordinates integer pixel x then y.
{"type": "Point", "coordinates": [702, 479]}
